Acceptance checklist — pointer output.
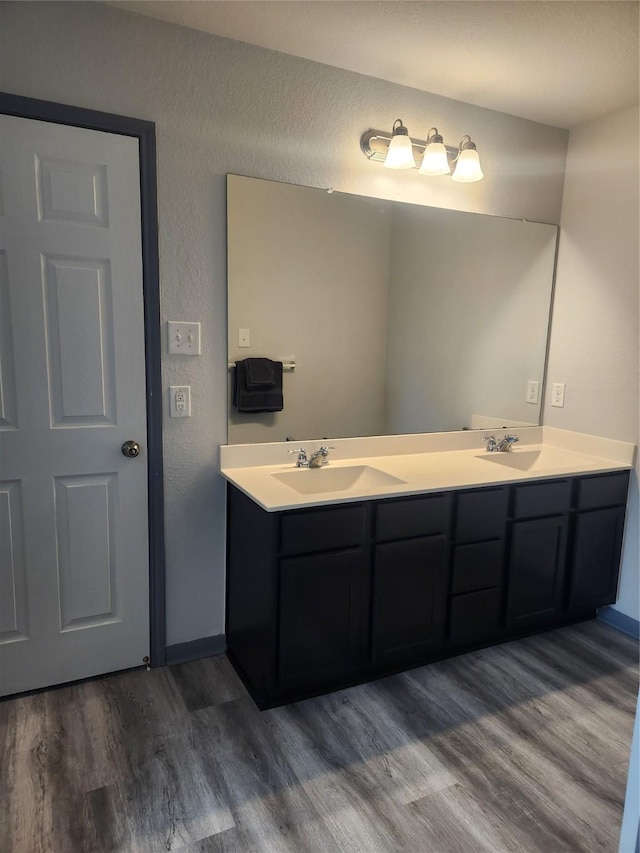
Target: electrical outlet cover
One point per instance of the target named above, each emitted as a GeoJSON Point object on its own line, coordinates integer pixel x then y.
{"type": "Point", "coordinates": [179, 401]}
{"type": "Point", "coordinates": [533, 387]}
{"type": "Point", "coordinates": [557, 394]}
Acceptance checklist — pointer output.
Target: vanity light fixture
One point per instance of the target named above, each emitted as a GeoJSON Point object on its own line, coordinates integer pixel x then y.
{"type": "Point", "coordinates": [434, 160]}
{"type": "Point", "coordinates": [397, 150]}
{"type": "Point", "coordinates": [400, 150]}
{"type": "Point", "coordinates": [467, 167]}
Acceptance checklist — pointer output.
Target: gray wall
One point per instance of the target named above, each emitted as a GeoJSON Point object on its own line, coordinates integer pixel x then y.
{"type": "Point", "coordinates": [594, 334]}
{"type": "Point", "coordinates": [221, 107]}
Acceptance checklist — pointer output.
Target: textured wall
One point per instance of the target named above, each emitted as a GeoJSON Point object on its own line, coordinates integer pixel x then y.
{"type": "Point", "coordinates": [594, 334]}
{"type": "Point", "coordinates": [220, 107]}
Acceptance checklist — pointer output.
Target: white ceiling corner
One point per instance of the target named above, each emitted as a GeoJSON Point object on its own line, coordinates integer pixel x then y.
{"type": "Point", "coordinates": [559, 62]}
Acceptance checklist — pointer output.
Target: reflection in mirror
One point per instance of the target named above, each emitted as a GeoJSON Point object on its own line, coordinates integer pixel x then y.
{"type": "Point", "coordinates": [400, 318]}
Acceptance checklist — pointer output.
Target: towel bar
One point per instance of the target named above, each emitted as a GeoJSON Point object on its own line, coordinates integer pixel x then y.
{"type": "Point", "coordinates": [289, 366]}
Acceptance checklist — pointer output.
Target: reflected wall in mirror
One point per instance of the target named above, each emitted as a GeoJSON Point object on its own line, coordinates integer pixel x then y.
{"type": "Point", "coordinates": [400, 318]}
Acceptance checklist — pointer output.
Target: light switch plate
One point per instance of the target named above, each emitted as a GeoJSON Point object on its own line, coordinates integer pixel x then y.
{"type": "Point", "coordinates": [183, 337]}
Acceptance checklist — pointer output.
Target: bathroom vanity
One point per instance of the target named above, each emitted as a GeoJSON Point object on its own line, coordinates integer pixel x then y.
{"type": "Point", "coordinates": [449, 553]}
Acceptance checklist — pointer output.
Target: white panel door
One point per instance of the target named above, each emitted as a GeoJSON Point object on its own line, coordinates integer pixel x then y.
{"type": "Point", "coordinates": [74, 592]}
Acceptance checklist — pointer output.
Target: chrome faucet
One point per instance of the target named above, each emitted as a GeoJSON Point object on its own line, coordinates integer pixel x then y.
{"type": "Point", "coordinates": [506, 443]}
{"type": "Point", "coordinates": [503, 446]}
{"type": "Point", "coordinates": [320, 457]}
{"type": "Point", "coordinates": [301, 461]}
{"type": "Point", "coordinates": [317, 459]}
{"type": "Point", "coordinates": [491, 443]}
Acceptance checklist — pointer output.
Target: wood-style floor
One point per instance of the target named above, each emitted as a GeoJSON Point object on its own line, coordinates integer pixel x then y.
{"type": "Point", "coordinates": [521, 747]}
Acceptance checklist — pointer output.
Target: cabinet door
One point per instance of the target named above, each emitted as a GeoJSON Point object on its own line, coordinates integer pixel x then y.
{"type": "Point", "coordinates": [323, 617]}
{"type": "Point", "coordinates": [596, 558]}
{"type": "Point", "coordinates": [536, 572]}
{"type": "Point", "coordinates": [475, 617]}
{"type": "Point", "coordinates": [409, 598]}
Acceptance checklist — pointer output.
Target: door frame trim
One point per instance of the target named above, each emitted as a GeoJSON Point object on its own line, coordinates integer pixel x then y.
{"type": "Point", "coordinates": [145, 132]}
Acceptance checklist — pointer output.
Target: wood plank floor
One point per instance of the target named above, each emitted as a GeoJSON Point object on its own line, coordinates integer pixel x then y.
{"type": "Point", "coordinates": [522, 747]}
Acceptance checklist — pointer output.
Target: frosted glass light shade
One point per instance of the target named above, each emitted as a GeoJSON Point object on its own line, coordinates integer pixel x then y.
{"type": "Point", "coordinates": [435, 160]}
{"type": "Point", "coordinates": [467, 168]}
{"type": "Point", "coordinates": [400, 153]}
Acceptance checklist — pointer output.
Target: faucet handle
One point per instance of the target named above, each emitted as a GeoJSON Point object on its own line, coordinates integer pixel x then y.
{"type": "Point", "coordinates": [491, 442]}
{"type": "Point", "coordinates": [302, 453]}
{"type": "Point", "coordinates": [325, 448]}
{"type": "Point", "coordinates": [301, 461]}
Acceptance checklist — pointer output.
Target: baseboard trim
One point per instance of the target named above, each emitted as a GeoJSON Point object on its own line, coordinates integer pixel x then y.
{"type": "Point", "coordinates": [205, 647]}
{"type": "Point", "coordinates": [620, 621]}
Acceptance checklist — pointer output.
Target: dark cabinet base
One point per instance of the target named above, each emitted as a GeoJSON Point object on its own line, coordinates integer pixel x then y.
{"type": "Point", "coordinates": [325, 598]}
{"type": "Point", "coordinates": [265, 700]}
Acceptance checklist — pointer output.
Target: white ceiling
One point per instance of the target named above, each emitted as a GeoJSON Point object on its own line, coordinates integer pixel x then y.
{"type": "Point", "coordinates": [559, 62]}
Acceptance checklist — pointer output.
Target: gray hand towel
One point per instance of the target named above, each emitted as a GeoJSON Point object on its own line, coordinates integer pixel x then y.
{"type": "Point", "coordinates": [260, 373]}
{"type": "Point", "coordinates": [266, 397]}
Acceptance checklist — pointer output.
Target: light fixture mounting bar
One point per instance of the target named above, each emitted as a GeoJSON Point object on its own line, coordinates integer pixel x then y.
{"type": "Point", "coordinates": [375, 143]}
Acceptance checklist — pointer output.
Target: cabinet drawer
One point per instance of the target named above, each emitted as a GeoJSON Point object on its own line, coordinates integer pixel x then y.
{"type": "Point", "coordinates": [596, 492]}
{"type": "Point", "coordinates": [402, 519]}
{"type": "Point", "coordinates": [477, 566]}
{"type": "Point", "coordinates": [474, 617]}
{"type": "Point", "coordinates": [481, 515]}
{"type": "Point", "coordinates": [542, 499]}
{"type": "Point", "coordinates": [322, 529]}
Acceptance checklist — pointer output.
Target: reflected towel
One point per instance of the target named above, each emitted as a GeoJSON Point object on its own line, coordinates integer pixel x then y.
{"type": "Point", "coordinates": [258, 385]}
{"type": "Point", "coordinates": [260, 373]}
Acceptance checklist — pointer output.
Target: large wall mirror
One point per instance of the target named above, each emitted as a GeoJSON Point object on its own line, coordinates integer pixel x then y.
{"type": "Point", "coordinates": [400, 318]}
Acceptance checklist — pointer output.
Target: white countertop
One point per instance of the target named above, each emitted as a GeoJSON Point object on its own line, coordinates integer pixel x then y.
{"type": "Point", "coordinates": [427, 463]}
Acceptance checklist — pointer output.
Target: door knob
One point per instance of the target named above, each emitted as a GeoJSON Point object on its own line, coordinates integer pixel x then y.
{"type": "Point", "coordinates": [130, 449]}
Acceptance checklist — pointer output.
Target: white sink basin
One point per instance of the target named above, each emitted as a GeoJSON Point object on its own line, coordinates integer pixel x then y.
{"type": "Point", "coordinates": [527, 460]}
{"type": "Point", "coordinates": [312, 481]}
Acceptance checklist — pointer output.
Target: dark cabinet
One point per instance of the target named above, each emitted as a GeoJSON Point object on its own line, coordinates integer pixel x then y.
{"type": "Point", "coordinates": [540, 499]}
{"type": "Point", "coordinates": [538, 555]}
{"type": "Point", "coordinates": [324, 597]}
{"type": "Point", "coordinates": [477, 566]}
{"type": "Point", "coordinates": [324, 529]}
{"type": "Point", "coordinates": [596, 558]}
{"type": "Point", "coordinates": [409, 517]}
{"type": "Point", "coordinates": [597, 545]}
{"type": "Point", "coordinates": [481, 514]}
{"type": "Point", "coordinates": [475, 617]}
{"type": "Point", "coordinates": [536, 570]}
{"type": "Point", "coordinates": [409, 578]}
{"type": "Point", "coordinates": [409, 586]}
{"type": "Point", "coordinates": [323, 629]}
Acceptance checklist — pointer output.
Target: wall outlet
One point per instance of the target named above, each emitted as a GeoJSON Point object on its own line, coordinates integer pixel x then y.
{"type": "Point", "coordinates": [183, 337]}
{"type": "Point", "coordinates": [557, 394]}
{"type": "Point", "coordinates": [533, 389]}
{"type": "Point", "coordinates": [244, 338]}
{"type": "Point", "coordinates": [180, 401]}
